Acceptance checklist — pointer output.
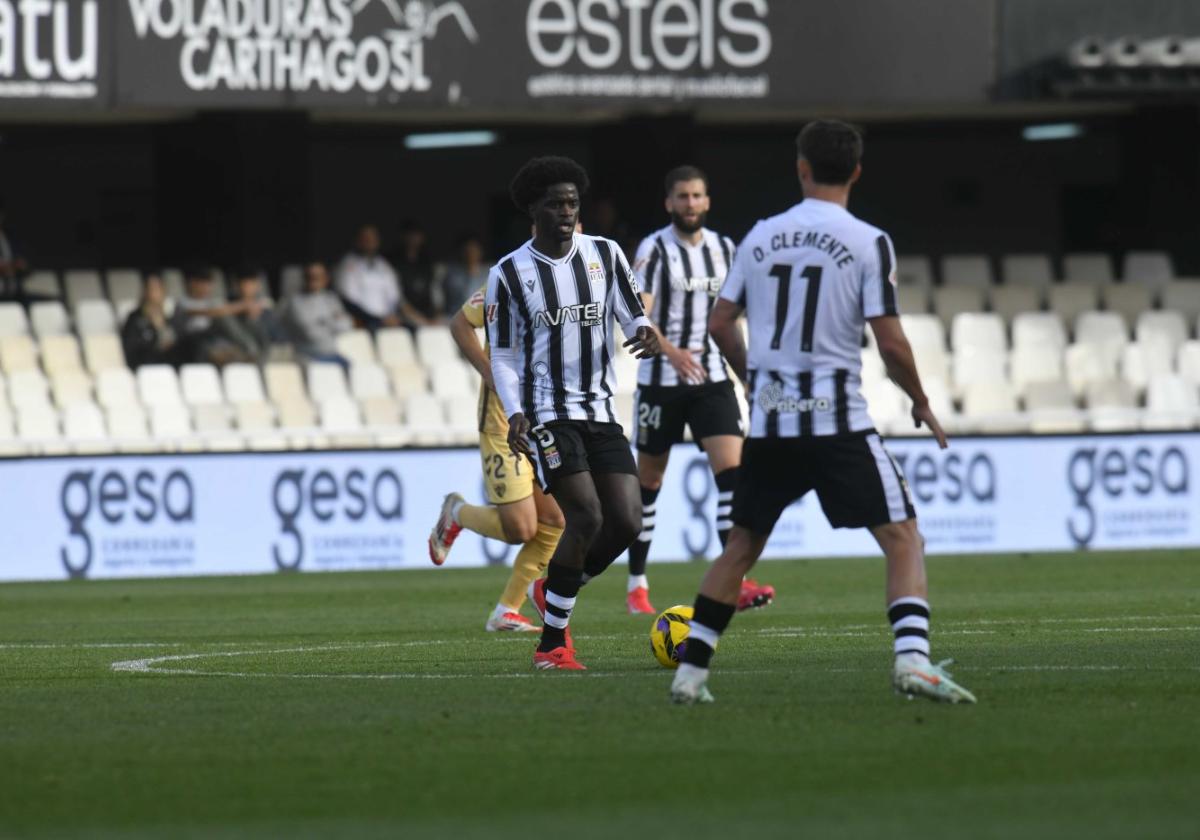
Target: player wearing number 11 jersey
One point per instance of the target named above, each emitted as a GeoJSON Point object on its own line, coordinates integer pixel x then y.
{"type": "Point", "coordinates": [809, 279]}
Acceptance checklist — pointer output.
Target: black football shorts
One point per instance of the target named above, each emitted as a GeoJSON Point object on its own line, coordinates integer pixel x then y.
{"type": "Point", "coordinates": [566, 447]}
{"type": "Point", "coordinates": [660, 413]}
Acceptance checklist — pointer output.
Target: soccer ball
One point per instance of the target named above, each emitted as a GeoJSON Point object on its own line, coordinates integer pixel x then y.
{"type": "Point", "coordinates": [668, 635]}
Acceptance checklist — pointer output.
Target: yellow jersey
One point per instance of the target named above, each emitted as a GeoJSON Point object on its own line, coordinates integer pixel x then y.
{"type": "Point", "coordinates": [492, 419]}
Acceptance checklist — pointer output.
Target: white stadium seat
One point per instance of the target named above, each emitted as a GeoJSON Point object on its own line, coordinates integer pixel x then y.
{"type": "Point", "coordinates": [1057, 421]}
{"type": "Point", "coordinates": [1009, 301]}
{"type": "Point", "coordinates": [380, 412]}
{"type": "Point", "coordinates": [394, 346]}
{"type": "Point", "coordinates": [201, 385]}
{"type": "Point", "coordinates": [102, 352]}
{"type": "Point", "coordinates": [885, 403]}
{"type": "Point", "coordinates": [95, 317]}
{"type": "Point", "coordinates": [356, 346]}
{"type": "Point", "coordinates": [42, 284]}
{"type": "Point", "coordinates": [914, 270]}
{"type": "Point", "coordinates": [1106, 333]}
{"type": "Point", "coordinates": [1092, 268]}
{"type": "Point", "coordinates": [424, 418]}
{"type": "Point", "coordinates": [950, 301]}
{"type": "Point", "coordinates": [123, 284]}
{"type": "Point", "coordinates": [1162, 326]}
{"type": "Point", "coordinates": [978, 331]}
{"type": "Point", "coordinates": [1070, 300]}
{"type": "Point", "coordinates": [1048, 394]}
{"type": "Point", "coordinates": [116, 387]}
{"type": "Point", "coordinates": [1084, 365]}
{"type": "Point", "coordinates": [972, 270]}
{"type": "Point", "coordinates": [973, 366]}
{"type": "Point", "coordinates": [254, 417]}
{"type": "Point", "coordinates": [28, 388]}
{"type": "Point", "coordinates": [1150, 268]}
{"type": "Point", "coordinates": [1182, 296]}
{"type": "Point", "coordinates": [435, 344]}
{"type": "Point", "coordinates": [326, 381]}
{"type": "Point", "coordinates": [991, 408]}
{"type": "Point", "coordinates": [912, 298]}
{"type": "Point", "coordinates": [407, 379]}
{"type": "Point", "coordinates": [1030, 328]}
{"type": "Point", "coordinates": [126, 423]}
{"type": "Point", "coordinates": [449, 378]}
{"type": "Point", "coordinates": [284, 382]}
{"type": "Point", "coordinates": [1187, 362]}
{"type": "Point", "coordinates": [243, 383]}
{"type": "Point", "coordinates": [170, 421]}
{"type": "Point", "coordinates": [368, 380]}
{"type": "Point", "coordinates": [1171, 403]}
{"type": "Point", "coordinates": [13, 320]}
{"type": "Point", "coordinates": [1026, 270]}
{"type": "Point", "coordinates": [1129, 299]}
{"type": "Point", "coordinates": [296, 413]}
{"type": "Point", "coordinates": [49, 317]}
{"type": "Point", "coordinates": [37, 423]}
{"type": "Point", "coordinates": [17, 352]}
{"type": "Point", "coordinates": [1141, 361]}
{"type": "Point", "coordinates": [210, 418]}
{"type": "Point", "coordinates": [1035, 364]}
{"type": "Point", "coordinates": [83, 423]}
{"type": "Point", "coordinates": [158, 385]}
{"type": "Point", "coordinates": [462, 419]}
{"type": "Point", "coordinates": [59, 353]}
{"type": "Point", "coordinates": [924, 331]}
{"type": "Point", "coordinates": [82, 284]}
{"type": "Point", "coordinates": [70, 387]}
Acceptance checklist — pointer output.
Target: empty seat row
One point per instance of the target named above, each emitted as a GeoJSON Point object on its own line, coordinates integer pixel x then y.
{"type": "Point", "coordinates": [1151, 268]}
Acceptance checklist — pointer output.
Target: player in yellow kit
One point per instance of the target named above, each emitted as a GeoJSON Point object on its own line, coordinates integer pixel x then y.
{"type": "Point", "coordinates": [518, 512]}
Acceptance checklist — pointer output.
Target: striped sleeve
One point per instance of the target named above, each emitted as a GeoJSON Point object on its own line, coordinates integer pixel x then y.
{"type": "Point", "coordinates": [499, 311]}
{"type": "Point", "coordinates": [645, 266]}
{"type": "Point", "coordinates": [734, 288]}
{"type": "Point", "coordinates": [878, 276]}
{"type": "Point", "coordinates": [627, 306]}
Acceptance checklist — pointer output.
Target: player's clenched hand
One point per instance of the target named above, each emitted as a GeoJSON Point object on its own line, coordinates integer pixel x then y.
{"type": "Point", "coordinates": [923, 414]}
{"type": "Point", "coordinates": [518, 435]}
{"type": "Point", "coordinates": [686, 365]}
{"type": "Point", "coordinates": [644, 343]}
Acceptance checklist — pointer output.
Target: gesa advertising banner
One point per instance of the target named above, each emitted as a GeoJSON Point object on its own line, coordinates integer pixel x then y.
{"type": "Point", "coordinates": [262, 513]}
{"type": "Point", "coordinates": [494, 54]}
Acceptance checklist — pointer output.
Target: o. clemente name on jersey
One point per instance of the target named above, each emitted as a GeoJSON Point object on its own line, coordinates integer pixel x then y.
{"type": "Point", "coordinates": [837, 251]}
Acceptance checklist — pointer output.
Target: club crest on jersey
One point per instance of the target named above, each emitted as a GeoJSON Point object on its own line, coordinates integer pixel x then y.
{"type": "Point", "coordinates": [585, 314]}
{"type": "Point", "coordinates": [595, 273]}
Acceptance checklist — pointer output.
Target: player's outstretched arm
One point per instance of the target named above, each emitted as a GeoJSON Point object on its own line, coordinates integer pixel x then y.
{"type": "Point", "coordinates": [723, 327]}
{"type": "Point", "coordinates": [902, 369]}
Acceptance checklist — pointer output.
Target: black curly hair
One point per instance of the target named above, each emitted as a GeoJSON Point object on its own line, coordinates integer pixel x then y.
{"type": "Point", "coordinates": [534, 178]}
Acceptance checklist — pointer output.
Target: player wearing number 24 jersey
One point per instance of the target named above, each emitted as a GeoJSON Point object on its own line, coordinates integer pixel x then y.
{"type": "Point", "coordinates": [809, 280]}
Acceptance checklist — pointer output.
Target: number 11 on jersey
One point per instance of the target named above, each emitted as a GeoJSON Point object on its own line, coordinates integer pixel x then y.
{"type": "Point", "coordinates": [783, 273]}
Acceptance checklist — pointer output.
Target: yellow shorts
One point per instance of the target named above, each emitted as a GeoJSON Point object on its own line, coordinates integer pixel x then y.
{"type": "Point", "coordinates": [507, 478]}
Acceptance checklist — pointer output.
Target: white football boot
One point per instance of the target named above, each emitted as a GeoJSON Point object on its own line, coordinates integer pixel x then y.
{"type": "Point", "coordinates": [689, 686]}
{"type": "Point", "coordinates": [915, 675]}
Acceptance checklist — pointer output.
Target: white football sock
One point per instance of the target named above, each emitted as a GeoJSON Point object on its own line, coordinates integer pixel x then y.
{"type": "Point", "coordinates": [636, 581]}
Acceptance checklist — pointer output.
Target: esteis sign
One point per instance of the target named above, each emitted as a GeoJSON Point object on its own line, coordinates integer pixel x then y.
{"type": "Point", "coordinates": [49, 49]}
{"type": "Point", "coordinates": [297, 45]}
{"type": "Point", "coordinates": [666, 48]}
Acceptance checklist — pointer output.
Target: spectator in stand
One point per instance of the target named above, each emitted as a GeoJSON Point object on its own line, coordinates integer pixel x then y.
{"type": "Point", "coordinates": [254, 329]}
{"type": "Point", "coordinates": [465, 275]}
{"type": "Point", "coordinates": [314, 317]}
{"type": "Point", "coordinates": [370, 288]}
{"type": "Point", "coordinates": [198, 321]}
{"type": "Point", "coordinates": [418, 278]}
{"type": "Point", "coordinates": [147, 336]}
{"type": "Point", "coordinates": [12, 267]}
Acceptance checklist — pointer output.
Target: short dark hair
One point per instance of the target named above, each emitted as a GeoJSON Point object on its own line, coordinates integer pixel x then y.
{"type": "Point", "coordinates": [687, 172]}
{"type": "Point", "coordinates": [197, 271]}
{"type": "Point", "coordinates": [832, 148]}
{"type": "Point", "coordinates": [538, 175]}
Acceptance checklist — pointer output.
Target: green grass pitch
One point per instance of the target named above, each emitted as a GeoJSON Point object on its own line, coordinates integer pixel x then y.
{"type": "Point", "coordinates": [374, 705]}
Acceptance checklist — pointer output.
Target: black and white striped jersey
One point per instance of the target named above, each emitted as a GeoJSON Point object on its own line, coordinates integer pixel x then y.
{"type": "Point", "coordinates": [684, 280]}
{"type": "Point", "coordinates": [552, 318]}
{"type": "Point", "coordinates": [808, 279]}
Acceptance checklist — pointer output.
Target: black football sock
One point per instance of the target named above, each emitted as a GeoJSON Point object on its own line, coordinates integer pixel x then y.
{"type": "Point", "coordinates": [709, 621]}
{"type": "Point", "coordinates": [562, 585]}
{"type": "Point", "coordinates": [726, 484]}
{"type": "Point", "coordinates": [640, 550]}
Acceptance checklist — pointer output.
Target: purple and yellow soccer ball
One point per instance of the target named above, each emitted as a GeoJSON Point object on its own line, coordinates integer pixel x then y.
{"type": "Point", "coordinates": [669, 633]}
